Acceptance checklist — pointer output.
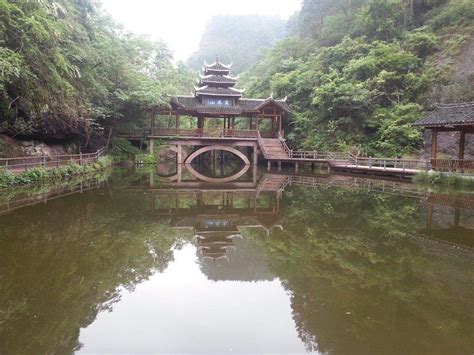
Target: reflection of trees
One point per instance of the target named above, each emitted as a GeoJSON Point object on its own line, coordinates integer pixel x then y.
{"type": "Point", "coordinates": [359, 286]}
{"type": "Point", "coordinates": [61, 265]}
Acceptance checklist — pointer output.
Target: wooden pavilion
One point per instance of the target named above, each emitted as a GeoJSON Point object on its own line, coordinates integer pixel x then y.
{"type": "Point", "coordinates": [215, 96]}
{"type": "Point", "coordinates": [450, 118]}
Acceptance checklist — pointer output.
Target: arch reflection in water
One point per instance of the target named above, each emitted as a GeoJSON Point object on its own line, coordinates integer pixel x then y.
{"type": "Point", "coordinates": [211, 179]}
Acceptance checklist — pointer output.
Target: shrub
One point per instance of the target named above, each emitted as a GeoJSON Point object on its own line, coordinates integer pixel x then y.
{"type": "Point", "coordinates": [61, 173]}
{"type": "Point", "coordinates": [422, 43]}
{"type": "Point", "coordinates": [452, 14]}
{"type": "Point", "coordinates": [122, 149]}
{"type": "Point", "coordinates": [146, 159]}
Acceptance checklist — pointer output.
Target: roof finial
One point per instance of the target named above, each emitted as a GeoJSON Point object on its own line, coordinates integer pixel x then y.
{"type": "Point", "coordinates": [271, 95]}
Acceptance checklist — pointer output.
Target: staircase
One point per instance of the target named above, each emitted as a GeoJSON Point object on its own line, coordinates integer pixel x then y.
{"type": "Point", "coordinates": [273, 149]}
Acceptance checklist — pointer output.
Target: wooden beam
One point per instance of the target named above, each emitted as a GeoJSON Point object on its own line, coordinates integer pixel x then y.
{"type": "Point", "coordinates": [462, 144]}
{"type": "Point", "coordinates": [434, 143]}
{"type": "Point", "coordinates": [465, 128]}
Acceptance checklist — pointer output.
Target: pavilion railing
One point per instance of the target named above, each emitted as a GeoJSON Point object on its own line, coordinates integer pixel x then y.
{"type": "Point", "coordinates": [173, 132]}
{"type": "Point", "coordinates": [453, 165]}
{"type": "Point", "coordinates": [133, 133]}
{"type": "Point", "coordinates": [196, 132]}
{"type": "Point", "coordinates": [240, 133]}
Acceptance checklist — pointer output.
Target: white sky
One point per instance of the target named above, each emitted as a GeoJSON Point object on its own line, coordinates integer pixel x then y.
{"type": "Point", "coordinates": [180, 23]}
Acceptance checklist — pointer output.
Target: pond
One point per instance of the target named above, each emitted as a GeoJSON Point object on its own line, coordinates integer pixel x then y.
{"type": "Point", "coordinates": [267, 263]}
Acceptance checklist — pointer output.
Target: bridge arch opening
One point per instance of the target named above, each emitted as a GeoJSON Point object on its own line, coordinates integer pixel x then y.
{"type": "Point", "coordinates": [203, 150]}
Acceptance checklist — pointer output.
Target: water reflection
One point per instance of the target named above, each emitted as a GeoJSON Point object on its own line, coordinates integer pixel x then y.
{"type": "Point", "coordinates": [269, 262]}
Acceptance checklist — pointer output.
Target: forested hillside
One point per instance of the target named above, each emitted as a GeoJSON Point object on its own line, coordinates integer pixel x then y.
{"type": "Point", "coordinates": [240, 39]}
{"type": "Point", "coordinates": [66, 69]}
{"type": "Point", "coordinates": [357, 73]}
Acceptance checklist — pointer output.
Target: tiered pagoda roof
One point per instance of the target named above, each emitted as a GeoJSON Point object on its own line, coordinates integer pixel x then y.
{"type": "Point", "coordinates": [221, 80]}
{"type": "Point", "coordinates": [216, 68]}
{"type": "Point", "coordinates": [215, 94]}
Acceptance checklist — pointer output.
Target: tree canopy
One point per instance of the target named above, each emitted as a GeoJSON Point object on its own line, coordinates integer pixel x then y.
{"type": "Point", "coordinates": [357, 73]}
{"type": "Point", "coordinates": [66, 66]}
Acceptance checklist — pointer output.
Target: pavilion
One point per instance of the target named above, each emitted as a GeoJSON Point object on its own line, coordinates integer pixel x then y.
{"type": "Point", "coordinates": [450, 118]}
{"type": "Point", "coordinates": [216, 97]}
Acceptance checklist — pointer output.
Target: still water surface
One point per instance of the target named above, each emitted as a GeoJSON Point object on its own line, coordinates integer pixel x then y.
{"type": "Point", "coordinates": [265, 264]}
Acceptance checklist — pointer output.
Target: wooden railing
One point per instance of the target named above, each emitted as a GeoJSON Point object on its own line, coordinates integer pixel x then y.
{"type": "Point", "coordinates": [453, 165]}
{"type": "Point", "coordinates": [133, 133]}
{"type": "Point", "coordinates": [46, 161]}
{"type": "Point", "coordinates": [239, 133]}
{"type": "Point", "coordinates": [261, 145]}
{"type": "Point", "coordinates": [388, 163]}
{"type": "Point", "coordinates": [176, 132]}
{"type": "Point", "coordinates": [196, 132]}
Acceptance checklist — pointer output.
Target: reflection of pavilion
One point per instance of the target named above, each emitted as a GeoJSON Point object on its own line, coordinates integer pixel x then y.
{"type": "Point", "coordinates": [216, 212]}
{"type": "Point", "coordinates": [215, 236]}
{"type": "Point", "coordinates": [450, 220]}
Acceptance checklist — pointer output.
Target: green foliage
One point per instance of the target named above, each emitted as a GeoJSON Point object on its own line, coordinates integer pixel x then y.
{"type": "Point", "coordinates": [356, 74]}
{"type": "Point", "coordinates": [455, 13]}
{"type": "Point", "coordinates": [54, 175]}
{"type": "Point", "coordinates": [65, 61]}
{"type": "Point", "coordinates": [422, 42]}
{"type": "Point", "coordinates": [146, 159]}
{"type": "Point", "coordinates": [122, 149]}
{"type": "Point", "coordinates": [380, 19]}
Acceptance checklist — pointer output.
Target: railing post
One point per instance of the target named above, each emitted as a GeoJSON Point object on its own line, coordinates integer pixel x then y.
{"type": "Point", "coordinates": [80, 158]}
{"type": "Point", "coordinates": [44, 161]}
{"type": "Point", "coordinates": [384, 164]}
{"type": "Point", "coordinates": [6, 165]}
{"type": "Point", "coordinates": [370, 162]}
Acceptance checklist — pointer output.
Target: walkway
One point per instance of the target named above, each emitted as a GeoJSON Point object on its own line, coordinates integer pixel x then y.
{"type": "Point", "coordinates": [22, 164]}
{"type": "Point", "coordinates": [276, 150]}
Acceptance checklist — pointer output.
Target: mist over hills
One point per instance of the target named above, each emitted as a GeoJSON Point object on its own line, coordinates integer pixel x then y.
{"type": "Point", "coordinates": [237, 39]}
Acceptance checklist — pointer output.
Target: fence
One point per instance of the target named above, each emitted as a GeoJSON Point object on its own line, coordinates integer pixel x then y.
{"type": "Point", "coordinates": [453, 165]}
{"type": "Point", "coordinates": [389, 163]}
{"type": "Point", "coordinates": [53, 161]}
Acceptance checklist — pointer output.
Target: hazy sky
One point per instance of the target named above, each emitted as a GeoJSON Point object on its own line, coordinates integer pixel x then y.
{"type": "Point", "coordinates": [180, 23]}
